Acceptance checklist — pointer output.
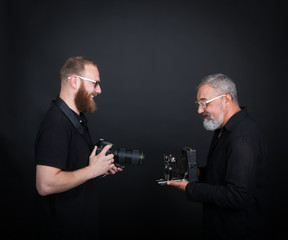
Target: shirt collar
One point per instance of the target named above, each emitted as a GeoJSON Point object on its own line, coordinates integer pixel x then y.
{"type": "Point", "coordinates": [236, 118]}
{"type": "Point", "coordinates": [81, 118]}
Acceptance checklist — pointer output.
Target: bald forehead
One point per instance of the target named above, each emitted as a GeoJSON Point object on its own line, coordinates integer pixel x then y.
{"type": "Point", "coordinates": [91, 67]}
{"type": "Point", "coordinates": [91, 71]}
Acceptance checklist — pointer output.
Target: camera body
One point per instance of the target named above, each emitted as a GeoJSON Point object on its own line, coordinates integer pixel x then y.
{"type": "Point", "coordinates": [122, 156]}
{"type": "Point", "coordinates": [184, 167]}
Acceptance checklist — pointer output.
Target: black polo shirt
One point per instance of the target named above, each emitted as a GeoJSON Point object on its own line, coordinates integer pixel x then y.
{"type": "Point", "coordinates": [233, 186]}
{"type": "Point", "coordinates": [60, 144]}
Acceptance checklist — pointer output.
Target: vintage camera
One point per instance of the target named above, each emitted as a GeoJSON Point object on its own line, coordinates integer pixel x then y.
{"type": "Point", "coordinates": [184, 167]}
{"type": "Point", "coordinates": [122, 156]}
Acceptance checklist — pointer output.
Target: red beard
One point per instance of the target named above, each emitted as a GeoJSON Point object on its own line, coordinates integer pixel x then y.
{"type": "Point", "coordinates": [83, 100]}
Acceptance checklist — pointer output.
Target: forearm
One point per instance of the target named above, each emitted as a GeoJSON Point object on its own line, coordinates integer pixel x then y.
{"type": "Point", "coordinates": [51, 180]}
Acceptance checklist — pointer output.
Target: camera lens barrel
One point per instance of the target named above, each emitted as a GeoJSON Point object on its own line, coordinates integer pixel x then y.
{"type": "Point", "coordinates": [122, 155]}
{"type": "Point", "coordinates": [127, 156]}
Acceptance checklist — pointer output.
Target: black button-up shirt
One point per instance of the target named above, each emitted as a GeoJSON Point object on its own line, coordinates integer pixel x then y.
{"type": "Point", "coordinates": [232, 189]}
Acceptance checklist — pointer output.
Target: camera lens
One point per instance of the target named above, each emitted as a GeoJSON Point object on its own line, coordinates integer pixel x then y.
{"type": "Point", "coordinates": [123, 156]}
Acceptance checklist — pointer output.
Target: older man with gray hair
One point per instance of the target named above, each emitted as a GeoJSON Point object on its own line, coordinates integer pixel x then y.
{"type": "Point", "coordinates": [232, 183]}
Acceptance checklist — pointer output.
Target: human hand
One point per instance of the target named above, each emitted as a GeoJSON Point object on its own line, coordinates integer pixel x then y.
{"type": "Point", "coordinates": [114, 170]}
{"type": "Point", "coordinates": [181, 185]}
{"type": "Point", "coordinates": [101, 163]}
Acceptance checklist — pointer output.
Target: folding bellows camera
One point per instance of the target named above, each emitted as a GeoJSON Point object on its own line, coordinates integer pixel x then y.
{"type": "Point", "coordinates": [184, 167]}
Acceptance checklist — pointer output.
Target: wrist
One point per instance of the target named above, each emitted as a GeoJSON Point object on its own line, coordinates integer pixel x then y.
{"type": "Point", "coordinates": [92, 172]}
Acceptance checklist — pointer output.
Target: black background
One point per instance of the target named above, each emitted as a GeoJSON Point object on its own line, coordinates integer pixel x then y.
{"type": "Point", "coordinates": [150, 54]}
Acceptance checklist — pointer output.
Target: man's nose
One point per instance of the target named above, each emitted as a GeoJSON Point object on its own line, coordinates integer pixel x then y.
{"type": "Point", "coordinates": [98, 89]}
{"type": "Point", "coordinates": [200, 110]}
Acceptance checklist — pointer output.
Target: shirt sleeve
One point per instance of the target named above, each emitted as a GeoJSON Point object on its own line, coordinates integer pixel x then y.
{"type": "Point", "coordinates": [240, 178]}
{"type": "Point", "coordinates": [51, 147]}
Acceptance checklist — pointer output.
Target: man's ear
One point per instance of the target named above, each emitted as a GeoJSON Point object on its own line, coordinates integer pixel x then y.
{"type": "Point", "coordinates": [73, 81]}
{"type": "Point", "coordinates": [228, 98]}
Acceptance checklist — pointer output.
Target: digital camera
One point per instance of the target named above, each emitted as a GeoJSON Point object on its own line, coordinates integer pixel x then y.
{"type": "Point", "coordinates": [122, 156]}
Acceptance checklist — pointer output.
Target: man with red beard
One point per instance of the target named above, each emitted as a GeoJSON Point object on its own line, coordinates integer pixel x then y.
{"type": "Point", "coordinates": [232, 184]}
{"type": "Point", "coordinates": [67, 165]}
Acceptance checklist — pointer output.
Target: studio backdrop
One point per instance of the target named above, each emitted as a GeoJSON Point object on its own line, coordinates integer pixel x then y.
{"type": "Point", "coordinates": [150, 55]}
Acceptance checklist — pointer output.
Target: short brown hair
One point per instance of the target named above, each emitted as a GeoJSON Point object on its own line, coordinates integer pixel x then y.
{"type": "Point", "coordinates": [74, 66]}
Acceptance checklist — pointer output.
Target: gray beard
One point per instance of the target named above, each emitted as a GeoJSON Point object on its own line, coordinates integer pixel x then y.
{"type": "Point", "coordinates": [213, 124]}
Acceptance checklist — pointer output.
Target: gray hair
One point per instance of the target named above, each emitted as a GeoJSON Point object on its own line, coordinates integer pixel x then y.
{"type": "Point", "coordinates": [222, 84]}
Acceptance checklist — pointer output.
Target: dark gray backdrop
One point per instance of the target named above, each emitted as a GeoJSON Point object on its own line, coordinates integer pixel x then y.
{"type": "Point", "coordinates": [150, 54]}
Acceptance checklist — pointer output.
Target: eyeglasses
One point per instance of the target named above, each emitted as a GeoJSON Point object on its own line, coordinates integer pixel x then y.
{"type": "Point", "coordinates": [97, 83]}
{"type": "Point", "coordinates": [203, 104]}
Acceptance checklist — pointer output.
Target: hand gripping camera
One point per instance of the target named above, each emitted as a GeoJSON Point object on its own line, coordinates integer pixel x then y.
{"type": "Point", "coordinates": [122, 156]}
{"type": "Point", "coordinates": [184, 167]}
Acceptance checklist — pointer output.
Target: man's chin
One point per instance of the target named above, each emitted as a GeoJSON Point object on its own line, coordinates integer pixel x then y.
{"type": "Point", "coordinates": [209, 125]}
